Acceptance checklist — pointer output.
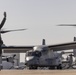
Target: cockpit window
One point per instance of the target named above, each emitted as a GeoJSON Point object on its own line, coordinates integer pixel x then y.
{"type": "Point", "coordinates": [35, 53]}
{"type": "Point", "coordinates": [29, 53]}
{"type": "Point", "coordinates": [45, 48]}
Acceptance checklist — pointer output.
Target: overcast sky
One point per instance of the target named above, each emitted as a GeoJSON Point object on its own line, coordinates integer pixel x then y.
{"type": "Point", "coordinates": [40, 17]}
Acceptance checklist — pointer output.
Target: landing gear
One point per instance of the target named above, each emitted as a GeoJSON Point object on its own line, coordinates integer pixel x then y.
{"type": "Point", "coordinates": [1, 58]}
{"type": "Point", "coordinates": [59, 66]}
{"type": "Point", "coordinates": [55, 67]}
{"type": "Point", "coordinates": [1, 67]}
{"type": "Point", "coordinates": [52, 67]}
{"type": "Point", "coordinates": [32, 67]}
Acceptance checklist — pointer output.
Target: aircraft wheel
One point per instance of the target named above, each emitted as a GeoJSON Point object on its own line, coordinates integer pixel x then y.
{"type": "Point", "coordinates": [34, 67]}
{"type": "Point", "coordinates": [59, 66]}
{"type": "Point", "coordinates": [1, 67]}
{"type": "Point", "coordinates": [52, 67]}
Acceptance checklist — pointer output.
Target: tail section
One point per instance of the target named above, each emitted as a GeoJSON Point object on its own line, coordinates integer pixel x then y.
{"type": "Point", "coordinates": [74, 38]}
{"type": "Point", "coordinates": [74, 50]}
{"type": "Point", "coordinates": [43, 42]}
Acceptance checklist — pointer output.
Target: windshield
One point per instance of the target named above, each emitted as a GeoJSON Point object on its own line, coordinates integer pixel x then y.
{"type": "Point", "coordinates": [36, 53]}
{"type": "Point", "coordinates": [29, 54]}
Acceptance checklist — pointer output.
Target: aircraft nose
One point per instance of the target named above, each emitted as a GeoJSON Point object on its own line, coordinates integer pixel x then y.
{"type": "Point", "coordinates": [29, 58]}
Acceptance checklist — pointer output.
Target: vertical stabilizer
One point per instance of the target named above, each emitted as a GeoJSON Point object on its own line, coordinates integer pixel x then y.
{"type": "Point", "coordinates": [74, 38]}
{"type": "Point", "coordinates": [74, 50]}
{"type": "Point", "coordinates": [43, 42]}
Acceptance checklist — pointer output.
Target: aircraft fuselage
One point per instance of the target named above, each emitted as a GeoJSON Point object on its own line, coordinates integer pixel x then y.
{"type": "Point", "coordinates": [41, 56]}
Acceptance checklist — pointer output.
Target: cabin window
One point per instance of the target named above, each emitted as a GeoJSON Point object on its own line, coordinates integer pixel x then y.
{"type": "Point", "coordinates": [35, 53]}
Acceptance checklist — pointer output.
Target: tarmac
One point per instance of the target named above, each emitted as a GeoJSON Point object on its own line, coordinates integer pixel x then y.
{"type": "Point", "coordinates": [38, 72]}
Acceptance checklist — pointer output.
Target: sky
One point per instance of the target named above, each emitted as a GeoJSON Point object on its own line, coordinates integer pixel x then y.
{"type": "Point", "coordinates": [41, 18]}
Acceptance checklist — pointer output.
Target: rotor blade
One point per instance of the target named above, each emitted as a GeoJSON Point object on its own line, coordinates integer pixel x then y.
{"type": "Point", "coordinates": [67, 25]}
{"type": "Point", "coordinates": [12, 30]}
{"type": "Point", "coordinates": [3, 21]}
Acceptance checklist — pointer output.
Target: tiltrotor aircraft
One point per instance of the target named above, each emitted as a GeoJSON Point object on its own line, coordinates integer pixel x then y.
{"type": "Point", "coordinates": [42, 56]}
{"type": "Point", "coordinates": [2, 32]}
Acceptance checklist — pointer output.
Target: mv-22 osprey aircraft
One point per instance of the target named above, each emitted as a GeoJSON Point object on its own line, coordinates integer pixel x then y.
{"type": "Point", "coordinates": [2, 32]}
{"type": "Point", "coordinates": [41, 55]}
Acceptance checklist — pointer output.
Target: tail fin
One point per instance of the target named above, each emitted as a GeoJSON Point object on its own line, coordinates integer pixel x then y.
{"type": "Point", "coordinates": [74, 38]}
{"type": "Point", "coordinates": [74, 50]}
{"type": "Point", "coordinates": [43, 42]}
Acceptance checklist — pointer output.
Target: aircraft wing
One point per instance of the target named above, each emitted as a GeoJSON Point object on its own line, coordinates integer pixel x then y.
{"type": "Point", "coordinates": [23, 49]}
{"type": "Point", "coordinates": [64, 46]}
{"type": "Point", "coordinates": [16, 49]}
